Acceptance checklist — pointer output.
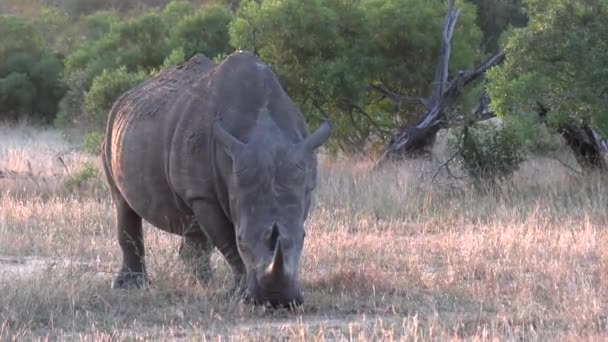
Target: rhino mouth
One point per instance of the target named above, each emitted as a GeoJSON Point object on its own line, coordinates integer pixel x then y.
{"type": "Point", "coordinates": [273, 283]}
{"type": "Point", "coordinates": [275, 293]}
{"type": "Point", "coordinates": [283, 298]}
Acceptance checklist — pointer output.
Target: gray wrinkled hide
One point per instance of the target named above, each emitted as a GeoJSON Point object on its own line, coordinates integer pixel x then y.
{"type": "Point", "coordinates": [221, 155]}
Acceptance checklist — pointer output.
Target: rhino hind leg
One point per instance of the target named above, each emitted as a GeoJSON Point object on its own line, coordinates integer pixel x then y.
{"type": "Point", "coordinates": [132, 273]}
{"type": "Point", "coordinates": [195, 251]}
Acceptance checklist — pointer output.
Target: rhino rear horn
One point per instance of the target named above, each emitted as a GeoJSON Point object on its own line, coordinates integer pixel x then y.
{"type": "Point", "coordinates": [227, 140]}
{"type": "Point", "coordinates": [318, 137]}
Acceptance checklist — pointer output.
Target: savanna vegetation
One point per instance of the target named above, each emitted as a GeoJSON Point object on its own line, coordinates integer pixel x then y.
{"type": "Point", "coordinates": [462, 195]}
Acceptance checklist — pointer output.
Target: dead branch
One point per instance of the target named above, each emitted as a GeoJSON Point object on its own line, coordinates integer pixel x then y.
{"type": "Point", "coordinates": [397, 98]}
{"type": "Point", "coordinates": [411, 141]}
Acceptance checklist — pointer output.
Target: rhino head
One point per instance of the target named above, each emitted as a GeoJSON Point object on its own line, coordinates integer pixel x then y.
{"type": "Point", "coordinates": [270, 187]}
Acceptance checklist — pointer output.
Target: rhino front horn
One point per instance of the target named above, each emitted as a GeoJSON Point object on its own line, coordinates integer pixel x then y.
{"type": "Point", "coordinates": [277, 266]}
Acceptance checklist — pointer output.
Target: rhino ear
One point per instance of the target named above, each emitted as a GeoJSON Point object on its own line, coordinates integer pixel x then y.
{"type": "Point", "coordinates": [318, 137]}
{"type": "Point", "coordinates": [233, 145]}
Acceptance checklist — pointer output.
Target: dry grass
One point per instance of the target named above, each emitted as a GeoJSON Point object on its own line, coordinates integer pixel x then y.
{"type": "Point", "coordinates": [37, 162]}
{"type": "Point", "coordinates": [389, 256]}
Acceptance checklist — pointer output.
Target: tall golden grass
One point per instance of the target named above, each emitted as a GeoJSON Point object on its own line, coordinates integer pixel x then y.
{"type": "Point", "coordinates": [389, 255]}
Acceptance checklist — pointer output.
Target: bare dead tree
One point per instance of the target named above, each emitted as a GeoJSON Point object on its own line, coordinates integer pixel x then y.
{"type": "Point", "coordinates": [413, 141]}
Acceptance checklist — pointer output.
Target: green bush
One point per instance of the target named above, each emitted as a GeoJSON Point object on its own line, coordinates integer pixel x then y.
{"type": "Point", "coordinates": [558, 60]}
{"type": "Point", "coordinates": [175, 11]}
{"type": "Point", "coordinates": [108, 86]}
{"type": "Point", "coordinates": [87, 178]}
{"type": "Point", "coordinates": [205, 32]}
{"type": "Point", "coordinates": [490, 153]}
{"type": "Point", "coordinates": [140, 43]}
{"type": "Point", "coordinates": [71, 107]}
{"type": "Point", "coordinates": [91, 143]}
{"type": "Point", "coordinates": [30, 75]}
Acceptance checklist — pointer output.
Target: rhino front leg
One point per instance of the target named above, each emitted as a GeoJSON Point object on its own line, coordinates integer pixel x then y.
{"type": "Point", "coordinates": [132, 273]}
{"type": "Point", "coordinates": [195, 251]}
{"type": "Point", "coordinates": [221, 233]}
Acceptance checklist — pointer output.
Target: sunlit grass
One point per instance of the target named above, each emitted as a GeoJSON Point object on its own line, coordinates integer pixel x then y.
{"type": "Point", "coordinates": [389, 255]}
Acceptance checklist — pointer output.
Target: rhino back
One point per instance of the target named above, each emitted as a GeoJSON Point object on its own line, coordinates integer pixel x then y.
{"type": "Point", "coordinates": [160, 150]}
{"type": "Point", "coordinates": [246, 87]}
{"type": "Point", "coordinates": [237, 92]}
{"type": "Point", "coordinates": [139, 142]}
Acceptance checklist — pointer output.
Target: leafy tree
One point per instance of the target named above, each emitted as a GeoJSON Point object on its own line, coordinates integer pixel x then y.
{"type": "Point", "coordinates": [205, 32]}
{"type": "Point", "coordinates": [90, 28]}
{"type": "Point", "coordinates": [30, 76]}
{"type": "Point", "coordinates": [140, 42]}
{"type": "Point", "coordinates": [51, 25]}
{"type": "Point", "coordinates": [328, 52]}
{"type": "Point", "coordinates": [314, 46]}
{"type": "Point", "coordinates": [407, 29]}
{"type": "Point", "coordinates": [175, 11]}
{"type": "Point", "coordinates": [556, 69]}
{"type": "Point", "coordinates": [497, 16]}
{"type": "Point", "coordinates": [108, 86]}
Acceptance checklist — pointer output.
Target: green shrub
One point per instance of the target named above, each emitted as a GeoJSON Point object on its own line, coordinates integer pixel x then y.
{"type": "Point", "coordinates": [176, 57]}
{"type": "Point", "coordinates": [91, 143]}
{"type": "Point", "coordinates": [489, 153]}
{"type": "Point", "coordinates": [558, 60]}
{"type": "Point", "coordinates": [71, 106]}
{"type": "Point", "coordinates": [108, 86]}
{"type": "Point", "coordinates": [30, 75]}
{"type": "Point", "coordinates": [175, 11]}
{"type": "Point", "coordinates": [205, 32]}
{"type": "Point", "coordinates": [140, 43]}
{"type": "Point", "coordinates": [87, 178]}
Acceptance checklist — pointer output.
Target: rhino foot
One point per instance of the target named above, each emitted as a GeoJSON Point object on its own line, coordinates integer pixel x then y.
{"type": "Point", "coordinates": [129, 280]}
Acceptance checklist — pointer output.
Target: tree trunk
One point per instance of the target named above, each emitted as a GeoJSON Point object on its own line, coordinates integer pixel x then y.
{"type": "Point", "coordinates": [587, 145]}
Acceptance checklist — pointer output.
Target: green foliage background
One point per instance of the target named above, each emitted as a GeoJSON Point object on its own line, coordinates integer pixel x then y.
{"type": "Point", "coordinates": [30, 75]}
{"type": "Point", "coordinates": [560, 61]}
{"type": "Point", "coordinates": [66, 61]}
